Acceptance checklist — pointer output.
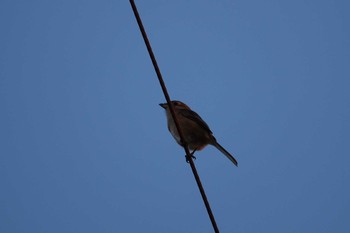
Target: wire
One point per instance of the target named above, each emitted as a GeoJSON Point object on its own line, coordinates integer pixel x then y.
{"type": "Point", "coordinates": [162, 84]}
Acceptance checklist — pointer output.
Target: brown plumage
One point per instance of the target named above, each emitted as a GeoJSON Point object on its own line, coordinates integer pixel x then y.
{"type": "Point", "coordinates": [196, 132]}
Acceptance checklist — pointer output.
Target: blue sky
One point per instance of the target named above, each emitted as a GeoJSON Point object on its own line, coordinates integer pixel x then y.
{"type": "Point", "coordinates": [84, 145]}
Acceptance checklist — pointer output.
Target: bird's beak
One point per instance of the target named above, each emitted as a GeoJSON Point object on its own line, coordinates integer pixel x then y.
{"type": "Point", "coordinates": [163, 105]}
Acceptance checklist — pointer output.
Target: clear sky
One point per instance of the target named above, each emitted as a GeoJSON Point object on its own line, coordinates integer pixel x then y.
{"type": "Point", "coordinates": [84, 146]}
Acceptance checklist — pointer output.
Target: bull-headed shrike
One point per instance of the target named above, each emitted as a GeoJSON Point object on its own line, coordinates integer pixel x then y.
{"type": "Point", "coordinates": [196, 132]}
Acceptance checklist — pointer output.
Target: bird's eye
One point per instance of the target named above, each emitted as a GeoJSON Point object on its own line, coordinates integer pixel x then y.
{"type": "Point", "coordinates": [175, 103]}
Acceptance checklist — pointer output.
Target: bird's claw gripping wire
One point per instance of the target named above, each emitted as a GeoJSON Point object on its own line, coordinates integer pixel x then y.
{"type": "Point", "coordinates": [192, 156]}
{"type": "Point", "coordinates": [188, 159]}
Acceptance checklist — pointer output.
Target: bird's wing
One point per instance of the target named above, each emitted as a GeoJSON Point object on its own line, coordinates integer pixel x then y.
{"type": "Point", "coordinates": [194, 117]}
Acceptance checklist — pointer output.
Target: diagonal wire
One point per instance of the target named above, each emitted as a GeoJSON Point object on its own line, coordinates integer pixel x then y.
{"type": "Point", "coordinates": [162, 84]}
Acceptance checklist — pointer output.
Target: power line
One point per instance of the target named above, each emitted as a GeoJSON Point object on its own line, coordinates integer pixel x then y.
{"type": "Point", "coordinates": [162, 84]}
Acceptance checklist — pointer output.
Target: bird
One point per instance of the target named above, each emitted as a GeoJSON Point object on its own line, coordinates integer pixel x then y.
{"type": "Point", "coordinates": [196, 132]}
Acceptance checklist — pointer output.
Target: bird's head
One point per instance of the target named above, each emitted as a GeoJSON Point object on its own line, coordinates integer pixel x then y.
{"type": "Point", "coordinates": [176, 104]}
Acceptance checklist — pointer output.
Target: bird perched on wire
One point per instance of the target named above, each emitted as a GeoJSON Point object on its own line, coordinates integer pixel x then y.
{"type": "Point", "coordinates": [196, 132]}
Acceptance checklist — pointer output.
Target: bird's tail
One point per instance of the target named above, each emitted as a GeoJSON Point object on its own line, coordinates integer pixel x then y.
{"type": "Point", "coordinates": [225, 152]}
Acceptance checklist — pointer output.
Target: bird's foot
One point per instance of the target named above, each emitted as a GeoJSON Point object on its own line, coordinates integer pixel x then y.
{"type": "Point", "coordinates": [192, 156]}
{"type": "Point", "coordinates": [188, 159]}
